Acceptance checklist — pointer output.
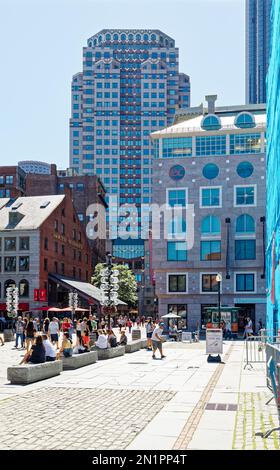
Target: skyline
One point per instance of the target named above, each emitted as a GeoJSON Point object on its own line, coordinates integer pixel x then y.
{"type": "Point", "coordinates": [37, 97]}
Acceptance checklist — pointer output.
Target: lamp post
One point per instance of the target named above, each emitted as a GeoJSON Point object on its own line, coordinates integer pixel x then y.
{"type": "Point", "coordinates": [73, 300]}
{"type": "Point", "coordinates": [109, 287]}
{"type": "Point", "coordinates": [219, 280]}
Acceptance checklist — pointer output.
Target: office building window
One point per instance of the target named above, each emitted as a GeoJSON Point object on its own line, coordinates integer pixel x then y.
{"type": "Point", "coordinates": [209, 283]}
{"type": "Point", "coordinates": [177, 197]}
{"type": "Point", "coordinates": [177, 251]}
{"type": "Point", "coordinates": [245, 249]}
{"type": "Point", "coordinates": [177, 147]}
{"type": "Point", "coordinates": [245, 195]}
{"type": "Point", "coordinates": [10, 244]}
{"type": "Point", "coordinates": [245, 282]}
{"type": "Point", "coordinates": [210, 197]}
{"type": "Point", "coordinates": [245, 224]}
{"type": "Point", "coordinates": [211, 145]}
{"type": "Point", "coordinates": [177, 283]}
{"type": "Point", "coordinates": [211, 225]}
{"type": "Point", "coordinates": [210, 250]}
{"type": "Point", "coordinates": [24, 263]}
{"type": "Point", "coordinates": [10, 263]}
{"type": "Point", "coordinates": [245, 143]}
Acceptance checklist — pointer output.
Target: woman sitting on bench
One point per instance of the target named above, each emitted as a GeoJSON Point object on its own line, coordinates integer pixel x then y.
{"type": "Point", "coordinates": [37, 353]}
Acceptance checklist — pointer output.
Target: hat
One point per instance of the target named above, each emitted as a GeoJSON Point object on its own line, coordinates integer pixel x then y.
{"type": "Point", "coordinates": [161, 324]}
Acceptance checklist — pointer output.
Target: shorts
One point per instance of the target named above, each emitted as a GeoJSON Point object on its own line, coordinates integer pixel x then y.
{"type": "Point", "coordinates": [157, 345]}
{"type": "Point", "coordinates": [149, 335]}
{"type": "Point", "coordinates": [54, 337]}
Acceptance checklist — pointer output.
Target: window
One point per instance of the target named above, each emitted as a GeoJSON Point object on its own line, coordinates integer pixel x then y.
{"type": "Point", "coordinates": [24, 263]}
{"type": "Point", "coordinates": [177, 147]}
{"type": "Point", "coordinates": [211, 123]}
{"type": "Point", "coordinates": [9, 179]}
{"type": "Point", "coordinates": [245, 143]}
{"type": "Point", "coordinates": [245, 224]}
{"type": "Point", "coordinates": [9, 283]}
{"type": "Point", "coordinates": [245, 195]}
{"type": "Point", "coordinates": [211, 145]}
{"type": "Point", "coordinates": [180, 310]}
{"type": "Point", "coordinates": [245, 282]}
{"type": "Point", "coordinates": [245, 121]}
{"type": "Point", "coordinates": [210, 250]}
{"type": "Point", "coordinates": [45, 264]}
{"type": "Point", "coordinates": [209, 283]}
{"type": "Point", "coordinates": [245, 249]}
{"type": "Point", "coordinates": [80, 186]}
{"type": "Point", "coordinates": [245, 169]}
{"type": "Point", "coordinates": [211, 225]}
{"type": "Point", "coordinates": [10, 244]}
{"type": "Point", "coordinates": [24, 243]}
{"type": "Point", "coordinates": [177, 251]}
{"type": "Point", "coordinates": [56, 225]}
{"type": "Point", "coordinates": [177, 283]}
{"type": "Point", "coordinates": [177, 197]}
{"type": "Point", "coordinates": [24, 288]}
{"type": "Point", "coordinates": [10, 264]}
{"type": "Point", "coordinates": [210, 197]}
{"type": "Point", "coordinates": [210, 171]}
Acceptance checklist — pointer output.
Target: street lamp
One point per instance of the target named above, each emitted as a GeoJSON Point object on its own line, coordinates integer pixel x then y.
{"type": "Point", "coordinates": [12, 301]}
{"type": "Point", "coordinates": [219, 280]}
{"type": "Point", "coordinates": [109, 287]}
{"type": "Point", "coordinates": [73, 300]}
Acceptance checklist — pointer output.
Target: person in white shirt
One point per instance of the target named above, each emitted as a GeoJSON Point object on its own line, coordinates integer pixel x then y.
{"type": "Point", "coordinates": [102, 340]}
{"type": "Point", "coordinates": [54, 331]}
{"type": "Point", "coordinates": [157, 340]}
{"type": "Point", "coordinates": [50, 350]}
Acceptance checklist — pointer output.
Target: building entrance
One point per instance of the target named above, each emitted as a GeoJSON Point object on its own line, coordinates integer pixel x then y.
{"type": "Point", "coordinates": [245, 311]}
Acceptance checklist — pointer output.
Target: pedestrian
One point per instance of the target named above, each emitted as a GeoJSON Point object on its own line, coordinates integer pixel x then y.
{"type": "Point", "coordinates": [66, 347]}
{"type": "Point", "coordinates": [129, 324]}
{"type": "Point", "coordinates": [149, 334]}
{"type": "Point", "coordinates": [30, 335]}
{"type": "Point", "coordinates": [102, 340]}
{"type": "Point", "coordinates": [54, 331]}
{"type": "Point", "coordinates": [123, 339]}
{"type": "Point", "coordinates": [2, 327]}
{"type": "Point", "coordinates": [49, 348]}
{"type": "Point", "coordinates": [86, 337]}
{"type": "Point", "coordinates": [248, 331]}
{"type": "Point", "coordinates": [46, 325]}
{"type": "Point", "coordinates": [228, 330]}
{"type": "Point", "coordinates": [37, 353]}
{"type": "Point", "coordinates": [79, 332]}
{"type": "Point", "coordinates": [112, 340]}
{"type": "Point", "coordinates": [260, 327]}
{"type": "Point", "coordinates": [157, 340]}
{"type": "Point", "coordinates": [19, 327]}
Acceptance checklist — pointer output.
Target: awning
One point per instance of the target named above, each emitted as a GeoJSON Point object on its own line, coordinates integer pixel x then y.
{"type": "Point", "coordinates": [85, 289]}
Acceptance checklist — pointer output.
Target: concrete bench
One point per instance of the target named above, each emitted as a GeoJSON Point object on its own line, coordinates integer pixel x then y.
{"type": "Point", "coordinates": [29, 373]}
{"type": "Point", "coordinates": [79, 360]}
{"type": "Point", "coordinates": [110, 352]}
{"type": "Point", "coordinates": [133, 347]}
{"type": "Point", "coordinates": [144, 343]}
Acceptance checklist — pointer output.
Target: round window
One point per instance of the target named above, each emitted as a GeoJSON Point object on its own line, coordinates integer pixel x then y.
{"type": "Point", "coordinates": [245, 169]}
{"type": "Point", "coordinates": [210, 171]}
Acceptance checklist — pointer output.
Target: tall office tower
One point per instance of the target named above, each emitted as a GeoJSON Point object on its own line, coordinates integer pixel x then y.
{"type": "Point", "coordinates": [130, 86]}
{"type": "Point", "coordinates": [258, 31]}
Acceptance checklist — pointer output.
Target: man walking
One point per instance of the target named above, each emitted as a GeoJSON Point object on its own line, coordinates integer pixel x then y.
{"type": "Point", "coordinates": [54, 331]}
{"type": "Point", "coordinates": [157, 340]}
{"type": "Point", "coordinates": [19, 331]}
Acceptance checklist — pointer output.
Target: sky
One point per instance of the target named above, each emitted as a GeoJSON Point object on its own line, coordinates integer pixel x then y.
{"type": "Point", "coordinates": [41, 48]}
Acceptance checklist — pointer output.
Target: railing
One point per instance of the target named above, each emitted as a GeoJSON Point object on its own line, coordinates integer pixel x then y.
{"type": "Point", "coordinates": [256, 348]}
{"type": "Point", "coordinates": [176, 129]}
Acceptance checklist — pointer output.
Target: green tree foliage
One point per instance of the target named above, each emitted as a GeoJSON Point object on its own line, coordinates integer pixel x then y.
{"type": "Point", "coordinates": [127, 283]}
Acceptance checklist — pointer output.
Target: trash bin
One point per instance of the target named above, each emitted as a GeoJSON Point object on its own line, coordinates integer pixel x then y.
{"type": "Point", "coordinates": [136, 334]}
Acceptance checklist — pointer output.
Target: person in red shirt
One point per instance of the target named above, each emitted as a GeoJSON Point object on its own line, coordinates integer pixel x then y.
{"type": "Point", "coordinates": [129, 324]}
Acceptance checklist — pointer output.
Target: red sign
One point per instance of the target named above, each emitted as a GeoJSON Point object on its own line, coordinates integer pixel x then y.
{"type": "Point", "coordinates": [40, 295]}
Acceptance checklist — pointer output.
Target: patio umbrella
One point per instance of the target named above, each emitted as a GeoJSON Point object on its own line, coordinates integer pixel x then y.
{"type": "Point", "coordinates": [171, 315]}
{"type": "Point", "coordinates": [78, 309]}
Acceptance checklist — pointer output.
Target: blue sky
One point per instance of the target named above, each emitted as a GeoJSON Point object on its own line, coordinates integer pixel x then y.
{"type": "Point", "coordinates": [41, 48]}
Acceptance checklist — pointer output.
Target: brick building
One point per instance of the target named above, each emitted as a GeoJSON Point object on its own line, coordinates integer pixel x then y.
{"type": "Point", "coordinates": [12, 182]}
{"type": "Point", "coordinates": [39, 237]}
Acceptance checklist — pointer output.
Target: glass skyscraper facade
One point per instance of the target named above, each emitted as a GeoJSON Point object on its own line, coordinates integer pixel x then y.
{"type": "Point", "coordinates": [258, 32]}
{"type": "Point", "coordinates": [273, 177]}
{"type": "Point", "coordinates": [130, 86]}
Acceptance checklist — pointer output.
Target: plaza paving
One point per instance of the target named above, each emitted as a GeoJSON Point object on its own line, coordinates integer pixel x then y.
{"type": "Point", "coordinates": [134, 402]}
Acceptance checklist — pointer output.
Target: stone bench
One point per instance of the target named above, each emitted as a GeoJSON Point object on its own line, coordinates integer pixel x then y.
{"type": "Point", "coordinates": [109, 353]}
{"type": "Point", "coordinates": [133, 346]}
{"type": "Point", "coordinates": [79, 360]}
{"type": "Point", "coordinates": [144, 343]}
{"type": "Point", "coordinates": [29, 373]}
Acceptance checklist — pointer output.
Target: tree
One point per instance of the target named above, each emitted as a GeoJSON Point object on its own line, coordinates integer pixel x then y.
{"type": "Point", "coordinates": [127, 283]}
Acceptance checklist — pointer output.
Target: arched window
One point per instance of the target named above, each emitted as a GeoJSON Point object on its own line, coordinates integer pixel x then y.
{"type": "Point", "coordinates": [123, 37]}
{"type": "Point", "coordinates": [211, 225]}
{"type": "Point", "coordinates": [245, 121]}
{"type": "Point", "coordinates": [211, 122]}
{"type": "Point", "coordinates": [9, 283]}
{"type": "Point", "coordinates": [130, 37]}
{"type": "Point", "coordinates": [245, 224]}
{"type": "Point", "coordinates": [146, 37]}
{"type": "Point", "coordinates": [100, 39]}
{"type": "Point", "coordinates": [108, 37]}
{"type": "Point", "coordinates": [24, 288]}
{"type": "Point", "coordinates": [177, 229]}
{"type": "Point", "coordinates": [138, 37]}
{"type": "Point", "coordinates": [153, 37]}
{"type": "Point", "coordinates": [210, 171]}
{"type": "Point", "coordinates": [245, 169]}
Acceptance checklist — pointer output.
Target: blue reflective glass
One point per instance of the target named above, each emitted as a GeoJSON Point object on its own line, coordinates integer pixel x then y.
{"type": "Point", "coordinates": [245, 282]}
{"type": "Point", "coordinates": [245, 169]}
{"type": "Point", "coordinates": [210, 250]}
{"type": "Point", "coordinates": [210, 171]}
{"type": "Point", "coordinates": [177, 251]}
{"type": "Point", "coordinates": [211, 145]}
{"type": "Point", "coordinates": [244, 121]}
{"type": "Point", "coordinates": [211, 225]}
{"type": "Point", "coordinates": [177, 147]}
{"type": "Point", "coordinates": [211, 123]}
{"type": "Point", "coordinates": [245, 224]}
{"type": "Point", "coordinates": [245, 143]}
{"type": "Point", "coordinates": [245, 249]}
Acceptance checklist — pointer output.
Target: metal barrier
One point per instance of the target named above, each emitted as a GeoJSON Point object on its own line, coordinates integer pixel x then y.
{"type": "Point", "coordinates": [256, 348]}
{"type": "Point", "coordinates": [272, 351]}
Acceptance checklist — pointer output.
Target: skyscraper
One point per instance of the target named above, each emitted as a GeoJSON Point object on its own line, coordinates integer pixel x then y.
{"type": "Point", "coordinates": [257, 49]}
{"type": "Point", "coordinates": [130, 86]}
